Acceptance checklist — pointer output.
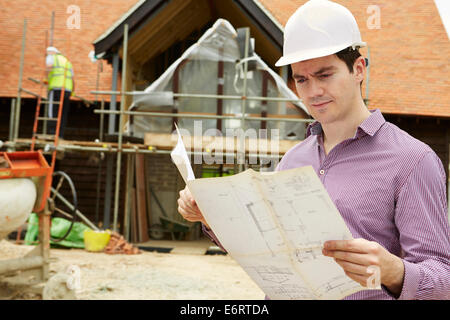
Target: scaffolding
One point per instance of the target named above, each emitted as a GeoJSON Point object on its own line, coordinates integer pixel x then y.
{"type": "Point", "coordinates": [119, 148]}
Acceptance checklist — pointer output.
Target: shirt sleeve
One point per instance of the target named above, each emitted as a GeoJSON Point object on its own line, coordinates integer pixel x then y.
{"type": "Point", "coordinates": [422, 222]}
{"type": "Point", "coordinates": [210, 234]}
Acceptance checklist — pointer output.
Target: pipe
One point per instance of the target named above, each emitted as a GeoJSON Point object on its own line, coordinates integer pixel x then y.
{"type": "Point", "coordinates": [67, 203]}
{"type": "Point", "coordinates": [11, 119]}
{"type": "Point", "coordinates": [121, 120]}
{"type": "Point", "coordinates": [241, 150]}
{"type": "Point", "coordinates": [24, 263]}
{"type": "Point", "coordinates": [200, 116]}
{"type": "Point", "coordinates": [206, 96]}
{"type": "Point", "coordinates": [19, 101]}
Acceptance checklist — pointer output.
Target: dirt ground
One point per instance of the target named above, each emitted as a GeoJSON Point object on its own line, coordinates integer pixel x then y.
{"type": "Point", "coordinates": [149, 275]}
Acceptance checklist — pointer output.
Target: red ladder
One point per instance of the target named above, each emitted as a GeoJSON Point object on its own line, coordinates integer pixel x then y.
{"type": "Point", "coordinates": [37, 118]}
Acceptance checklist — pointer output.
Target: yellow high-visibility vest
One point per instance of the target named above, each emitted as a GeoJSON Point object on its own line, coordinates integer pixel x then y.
{"type": "Point", "coordinates": [56, 75]}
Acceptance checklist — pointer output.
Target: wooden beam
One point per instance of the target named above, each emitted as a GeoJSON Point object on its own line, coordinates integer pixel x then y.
{"type": "Point", "coordinates": [157, 24]}
{"type": "Point", "coordinates": [134, 227]}
{"type": "Point", "coordinates": [128, 201]}
{"type": "Point", "coordinates": [167, 141]}
{"type": "Point", "coordinates": [180, 28]}
{"type": "Point", "coordinates": [147, 172]}
{"type": "Point", "coordinates": [140, 199]}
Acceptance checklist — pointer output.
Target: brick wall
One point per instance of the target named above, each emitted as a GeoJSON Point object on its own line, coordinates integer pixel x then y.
{"type": "Point", "coordinates": [95, 18]}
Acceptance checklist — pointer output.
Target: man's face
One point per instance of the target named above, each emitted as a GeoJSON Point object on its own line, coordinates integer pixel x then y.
{"type": "Point", "coordinates": [327, 88]}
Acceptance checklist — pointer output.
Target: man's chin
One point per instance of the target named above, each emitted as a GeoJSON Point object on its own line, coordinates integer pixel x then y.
{"type": "Point", "coordinates": [323, 117]}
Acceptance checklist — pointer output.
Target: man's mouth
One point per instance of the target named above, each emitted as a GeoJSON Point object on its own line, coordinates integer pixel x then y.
{"type": "Point", "coordinates": [321, 104]}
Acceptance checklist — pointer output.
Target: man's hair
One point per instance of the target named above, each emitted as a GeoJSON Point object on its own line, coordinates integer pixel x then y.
{"type": "Point", "coordinates": [349, 56]}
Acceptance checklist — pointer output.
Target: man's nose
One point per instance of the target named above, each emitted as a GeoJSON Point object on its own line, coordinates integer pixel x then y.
{"type": "Point", "coordinates": [315, 89]}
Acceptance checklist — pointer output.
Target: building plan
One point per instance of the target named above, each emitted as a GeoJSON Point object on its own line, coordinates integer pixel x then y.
{"type": "Point", "coordinates": [274, 225]}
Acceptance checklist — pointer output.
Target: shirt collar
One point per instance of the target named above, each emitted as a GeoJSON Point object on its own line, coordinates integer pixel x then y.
{"type": "Point", "coordinates": [372, 124]}
{"type": "Point", "coordinates": [314, 128]}
{"type": "Point", "coordinates": [369, 126]}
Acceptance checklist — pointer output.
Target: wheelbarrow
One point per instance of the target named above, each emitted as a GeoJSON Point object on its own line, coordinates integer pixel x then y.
{"type": "Point", "coordinates": [167, 224]}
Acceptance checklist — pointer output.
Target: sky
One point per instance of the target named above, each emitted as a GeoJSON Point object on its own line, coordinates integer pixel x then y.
{"type": "Point", "coordinates": [444, 10]}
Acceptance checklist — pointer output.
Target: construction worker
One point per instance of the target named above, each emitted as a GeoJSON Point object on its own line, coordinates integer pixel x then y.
{"type": "Point", "coordinates": [56, 65]}
{"type": "Point", "coordinates": [388, 186]}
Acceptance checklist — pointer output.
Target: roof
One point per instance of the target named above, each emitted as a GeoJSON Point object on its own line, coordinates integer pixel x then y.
{"type": "Point", "coordinates": [121, 20]}
{"type": "Point", "coordinates": [74, 43]}
{"type": "Point", "coordinates": [409, 53]}
{"type": "Point", "coordinates": [145, 10]}
{"type": "Point", "coordinates": [136, 15]}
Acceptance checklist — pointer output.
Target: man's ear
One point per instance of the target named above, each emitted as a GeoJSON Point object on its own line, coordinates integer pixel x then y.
{"type": "Point", "coordinates": [359, 68]}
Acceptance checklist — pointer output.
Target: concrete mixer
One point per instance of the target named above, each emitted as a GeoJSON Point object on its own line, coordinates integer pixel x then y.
{"type": "Point", "coordinates": [25, 187]}
{"type": "Point", "coordinates": [28, 176]}
{"type": "Point", "coordinates": [17, 198]}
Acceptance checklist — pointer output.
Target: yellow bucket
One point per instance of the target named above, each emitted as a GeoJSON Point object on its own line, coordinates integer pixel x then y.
{"type": "Point", "coordinates": [96, 241]}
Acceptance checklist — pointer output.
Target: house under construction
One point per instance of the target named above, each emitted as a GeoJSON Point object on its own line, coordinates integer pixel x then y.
{"type": "Point", "coordinates": [164, 62]}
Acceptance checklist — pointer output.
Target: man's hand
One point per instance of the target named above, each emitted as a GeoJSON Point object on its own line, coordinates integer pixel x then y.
{"type": "Point", "coordinates": [358, 256]}
{"type": "Point", "coordinates": [188, 208]}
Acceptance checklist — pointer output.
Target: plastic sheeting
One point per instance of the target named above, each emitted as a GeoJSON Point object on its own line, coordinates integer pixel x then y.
{"type": "Point", "coordinates": [197, 72]}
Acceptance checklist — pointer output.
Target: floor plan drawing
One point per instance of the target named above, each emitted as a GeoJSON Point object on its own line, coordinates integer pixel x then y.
{"type": "Point", "coordinates": [273, 274]}
{"type": "Point", "coordinates": [274, 225]}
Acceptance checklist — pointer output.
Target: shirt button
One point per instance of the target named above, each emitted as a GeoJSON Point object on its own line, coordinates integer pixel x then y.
{"type": "Point", "coordinates": [322, 171]}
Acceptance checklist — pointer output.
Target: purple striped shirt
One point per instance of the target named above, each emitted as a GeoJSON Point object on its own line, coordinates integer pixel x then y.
{"type": "Point", "coordinates": [389, 188]}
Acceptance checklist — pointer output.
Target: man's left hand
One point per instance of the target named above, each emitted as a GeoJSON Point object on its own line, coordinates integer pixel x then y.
{"type": "Point", "coordinates": [358, 256]}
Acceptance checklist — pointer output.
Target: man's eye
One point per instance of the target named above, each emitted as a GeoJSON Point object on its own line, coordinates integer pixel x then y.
{"type": "Point", "coordinates": [300, 81]}
{"type": "Point", "coordinates": [323, 76]}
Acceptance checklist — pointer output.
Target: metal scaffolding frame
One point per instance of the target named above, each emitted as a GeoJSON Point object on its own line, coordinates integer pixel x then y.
{"type": "Point", "coordinates": [239, 155]}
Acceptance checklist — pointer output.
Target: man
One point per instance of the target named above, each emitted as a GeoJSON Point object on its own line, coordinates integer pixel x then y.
{"type": "Point", "coordinates": [57, 64]}
{"type": "Point", "coordinates": [388, 186]}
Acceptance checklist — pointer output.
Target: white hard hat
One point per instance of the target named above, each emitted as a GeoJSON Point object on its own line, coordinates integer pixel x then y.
{"type": "Point", "coordinates": [317, 29]}
{"type": "Point", "coordinates": [52, 49]}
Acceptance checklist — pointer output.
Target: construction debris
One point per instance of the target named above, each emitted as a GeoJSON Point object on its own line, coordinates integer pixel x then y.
{"type": "Point", "coordinates": [118, 245]}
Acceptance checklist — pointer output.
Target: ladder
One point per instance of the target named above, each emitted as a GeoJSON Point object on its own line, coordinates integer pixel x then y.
{"type": "Point", "coordinates": [42, 101]}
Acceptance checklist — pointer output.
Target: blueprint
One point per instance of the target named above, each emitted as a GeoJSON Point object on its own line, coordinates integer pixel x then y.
{"type": "Point", "coordinates": [274, 225]}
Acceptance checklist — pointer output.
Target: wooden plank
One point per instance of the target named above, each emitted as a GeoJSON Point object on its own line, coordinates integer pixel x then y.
{"type": "Point", "coordinates": [140, 198]}
{"type": "Point", "coordinates": [89, 143]}
{"type": "Point", "coordinates": [147, 172]}
{"type": "Point", "coordinates": [127, 209]}
{"type": "Point", "coordinates": [134, 228]}
{"type": "Point", "coordinates": [168, 141]}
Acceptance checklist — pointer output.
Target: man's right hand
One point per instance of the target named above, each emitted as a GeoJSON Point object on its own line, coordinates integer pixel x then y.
{"type": "Point", "coordinates": [188, 208]}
